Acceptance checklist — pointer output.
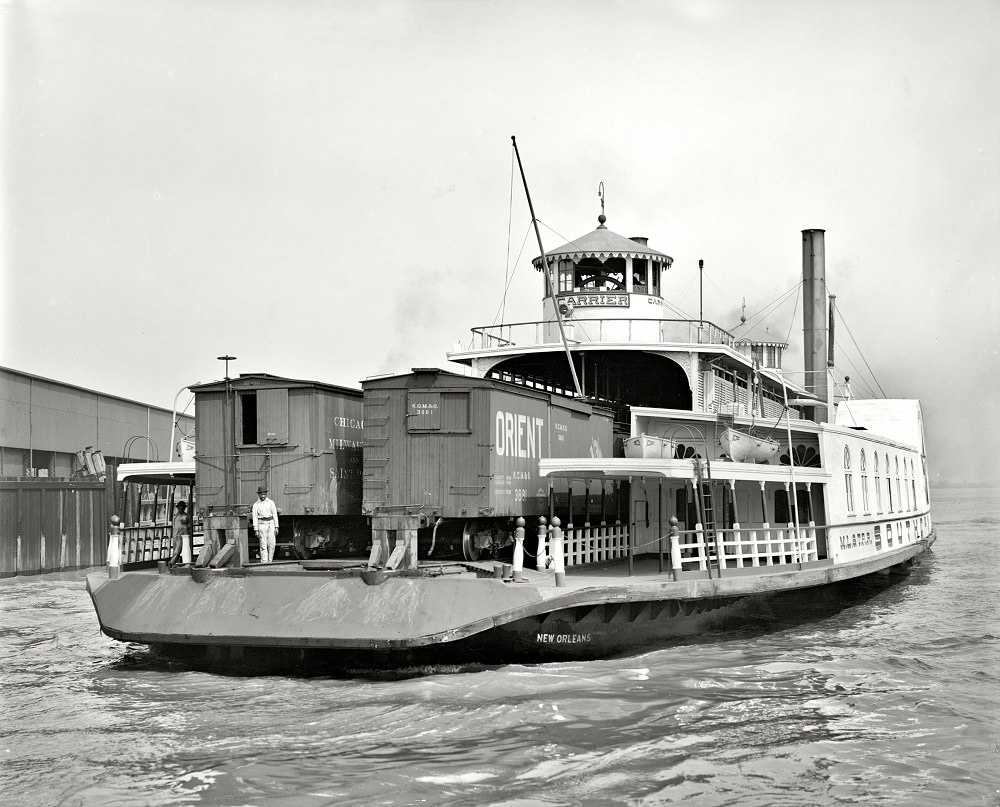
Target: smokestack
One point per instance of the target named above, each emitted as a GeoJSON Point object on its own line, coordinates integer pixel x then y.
{"type": "Point", "coordinates": [814, 319]}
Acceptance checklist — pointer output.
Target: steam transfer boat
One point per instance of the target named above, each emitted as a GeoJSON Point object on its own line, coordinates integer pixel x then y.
{"type": "Point", "coordinates": [598, 480]}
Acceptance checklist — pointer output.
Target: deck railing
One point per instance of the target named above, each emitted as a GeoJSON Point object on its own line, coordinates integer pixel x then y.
{"type": "Point", "coordinates": [742, 548]}
{"type": "Point", "coordinates": [583, 329]}
{"type": "Point", "coordinates": [148, 543]}
{"type": "Point", "coordinates": [587, 544]}
{"type": "Point", "coordinates": [689, 550]}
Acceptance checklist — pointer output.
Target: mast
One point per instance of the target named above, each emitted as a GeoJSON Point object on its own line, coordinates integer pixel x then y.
{"type": "Point", "coordinates": [549, 276]}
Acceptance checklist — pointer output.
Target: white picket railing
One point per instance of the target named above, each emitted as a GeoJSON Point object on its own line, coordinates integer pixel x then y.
{"type": "Point", "coordinates": [739, 548]}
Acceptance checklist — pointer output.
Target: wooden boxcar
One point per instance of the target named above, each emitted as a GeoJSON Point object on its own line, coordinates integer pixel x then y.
{"type": "Point", "coordinates": [461, 454]}
{"type": "Point", "coordinates": [300, 439]}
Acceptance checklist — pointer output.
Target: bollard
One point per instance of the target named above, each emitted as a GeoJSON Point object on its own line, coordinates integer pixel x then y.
{"type": "Point", "coordinates": [557, 553]}
{"type": "Point", "coordinates": [114, 550]}
{"type": "Point", "coordinates": [518, 569]}
{"type": "Point", "coordinates": [542, 551]}
{"type": "Point", "coordinates": [675, 546]}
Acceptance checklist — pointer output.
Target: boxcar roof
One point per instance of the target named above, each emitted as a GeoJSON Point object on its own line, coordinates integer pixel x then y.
{"type": "Point", "coordinates": [268, 381]}
{"type": "Point", "coordinates": [431, 377]}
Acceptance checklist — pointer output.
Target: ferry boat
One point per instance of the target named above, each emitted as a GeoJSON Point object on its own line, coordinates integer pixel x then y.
{"type": "Point", "coordinates": [603, 478]}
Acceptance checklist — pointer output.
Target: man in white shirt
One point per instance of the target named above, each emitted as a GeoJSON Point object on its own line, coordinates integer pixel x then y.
{"type": "Point", "coordinates": [265, 524]}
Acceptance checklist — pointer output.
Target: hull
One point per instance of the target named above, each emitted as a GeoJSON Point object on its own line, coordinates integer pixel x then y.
{"type": "Point", "coordinates": [458, 611]}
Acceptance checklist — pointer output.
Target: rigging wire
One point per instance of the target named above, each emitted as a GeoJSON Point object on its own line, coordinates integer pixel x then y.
{"type": "Point", "coordinates": [510, 278]}
{"type": "Point", "coordinates": [791, 321]}
{"type": "Point", "coordinates": [755, 319]}
{"type": "Point", "coordinates": [840, 316]}
{"type": "Point", "coordinates": [510, 223]}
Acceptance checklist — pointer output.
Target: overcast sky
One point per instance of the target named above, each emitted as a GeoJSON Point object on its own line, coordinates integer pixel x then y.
{"type": "Point", "coordinates": [326, 191]}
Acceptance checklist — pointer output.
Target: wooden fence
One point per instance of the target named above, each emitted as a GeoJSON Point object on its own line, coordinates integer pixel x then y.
{"type": "Point", "coordinates": [52, 525]}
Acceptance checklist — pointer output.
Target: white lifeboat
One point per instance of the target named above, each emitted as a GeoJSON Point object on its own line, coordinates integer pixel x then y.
{"type": "Point", "coordinates": [648, 446]}
{"type": "Point", "coordinates": [743, 447]}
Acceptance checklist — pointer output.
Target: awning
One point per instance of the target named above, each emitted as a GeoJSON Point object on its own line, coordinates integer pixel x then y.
{"type": "Point", "coordinates": [162, 473]}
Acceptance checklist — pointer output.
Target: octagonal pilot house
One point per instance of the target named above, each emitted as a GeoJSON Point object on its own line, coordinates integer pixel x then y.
{"type": "Point", "coordinates": [608, 315]}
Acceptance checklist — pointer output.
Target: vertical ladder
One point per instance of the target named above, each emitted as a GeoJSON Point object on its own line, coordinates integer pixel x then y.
{"type": "Point", "coordinates": [705, 503]}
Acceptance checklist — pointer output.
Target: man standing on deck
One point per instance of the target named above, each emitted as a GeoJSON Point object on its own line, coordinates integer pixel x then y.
{"type": "Point", "coordinates": [181, 526]}
{"type": "Point", "coordinates": [265, 524]}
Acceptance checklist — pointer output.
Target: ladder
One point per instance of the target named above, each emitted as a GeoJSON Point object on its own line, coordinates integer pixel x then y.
{"type": "Point", "coordinates": [705, 503]}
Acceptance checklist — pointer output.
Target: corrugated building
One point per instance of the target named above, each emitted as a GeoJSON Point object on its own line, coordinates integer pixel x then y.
{"type": "Point", "coordinates": [59, 447]}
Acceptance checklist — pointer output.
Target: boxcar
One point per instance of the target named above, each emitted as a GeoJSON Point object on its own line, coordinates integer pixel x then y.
{"type": "Point", "coordinates": [461, 454]}
{"type": "Point", "coordinates": [300, 439]}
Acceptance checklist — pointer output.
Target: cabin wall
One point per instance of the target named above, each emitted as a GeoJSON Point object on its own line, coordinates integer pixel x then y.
{"type": "Point", "coordinates": [878, 494]}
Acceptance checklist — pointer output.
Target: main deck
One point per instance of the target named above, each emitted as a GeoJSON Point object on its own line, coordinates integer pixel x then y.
{"type": "Point", "coordinates": [473, 608]}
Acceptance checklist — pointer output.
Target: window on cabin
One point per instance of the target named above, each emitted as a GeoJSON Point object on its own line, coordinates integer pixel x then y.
{"type": "Point", "coordinates": [593, 275]}
{"type": "Point", "coordinates": [263, 417]}
{"type": "Point", "coordinates": [899, 495]}
{"type": "Point", "coordinates": [640, 275]}
{"type": "Point", "coordinates": [848, 480]}
{"type": "Point", "coordinates": [878, 489]}
{"type": "Point", "coordinates": [565, 276]}
{"type": "Point", "coordinates": [888, 481]}
{"type": "Point", "coordinates": [864, 481]}
{"type": "Point", "coordinates": [656, 278]}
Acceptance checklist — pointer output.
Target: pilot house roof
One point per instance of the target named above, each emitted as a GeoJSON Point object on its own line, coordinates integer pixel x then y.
{"type": "Point", "coordinates": [602, 244]}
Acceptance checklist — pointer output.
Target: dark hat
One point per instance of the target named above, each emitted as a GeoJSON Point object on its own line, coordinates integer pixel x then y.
{"type": "Point", "coordinates": [179, 505]}
{"type": "Point", "coordinates": [261, 489]}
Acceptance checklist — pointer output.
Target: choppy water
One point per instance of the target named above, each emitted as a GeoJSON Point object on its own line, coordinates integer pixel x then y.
{"type": "Point", "coordinates": [868, 694]}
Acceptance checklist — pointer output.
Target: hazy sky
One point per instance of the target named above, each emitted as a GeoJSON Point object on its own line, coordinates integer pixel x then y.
{"type": "Point", "coordinates": [324, 189]}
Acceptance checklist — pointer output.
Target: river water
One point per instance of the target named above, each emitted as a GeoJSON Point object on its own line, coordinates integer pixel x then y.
{"type": "Point", "coordinates": [865, 694]}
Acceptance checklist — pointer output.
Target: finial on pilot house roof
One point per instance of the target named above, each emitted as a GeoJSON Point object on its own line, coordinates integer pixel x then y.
{"type": "Point", "coordinates": [602, 218]}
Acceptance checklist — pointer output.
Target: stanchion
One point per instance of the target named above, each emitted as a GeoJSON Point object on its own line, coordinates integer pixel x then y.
{"type": "Point", "coordinates": [542, 552]}
{"type": "Point", "coordinates": [557, 553]}
{"type": "Point", "coordinates": [518, 551]}
{"type": "Point", "coordinates": [114, 550]}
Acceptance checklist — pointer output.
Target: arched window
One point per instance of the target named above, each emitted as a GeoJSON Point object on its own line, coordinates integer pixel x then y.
{"type": "Point", "coordinates": [906, 482]}
{"type": "Point", "coordinates": [913, 482]}
{"type": "Point", "coordinates": [899, 495]}
{"type": "Point", "coordinates": [848, 480]}
{"type": "Point", "coordinates": [878, 488]}
{"type": "Point", "coordinates": [888, 480]}
{"type": "Point", "coordinates": [864, 482]}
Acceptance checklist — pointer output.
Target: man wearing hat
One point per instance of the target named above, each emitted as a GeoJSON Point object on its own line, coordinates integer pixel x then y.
{"type": "Point", "coordinates": [181, 526]}
{"type": "Point", "coordinates": [265, 524]}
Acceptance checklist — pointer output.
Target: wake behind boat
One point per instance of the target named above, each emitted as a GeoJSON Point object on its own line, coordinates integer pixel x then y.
{"type": "Point", "coordinates": [592, 486]}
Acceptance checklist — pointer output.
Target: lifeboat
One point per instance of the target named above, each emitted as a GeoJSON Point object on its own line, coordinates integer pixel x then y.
{"type": "Point", "coordinates": [743, 447]}
{"type": "Point", "coordinates": [648, 446]}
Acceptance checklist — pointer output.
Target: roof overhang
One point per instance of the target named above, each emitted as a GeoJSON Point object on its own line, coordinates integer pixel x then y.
{"type": "Point", "coordinates": [162, 473]}
{"type": "Point", "coordinates": [623, 468]}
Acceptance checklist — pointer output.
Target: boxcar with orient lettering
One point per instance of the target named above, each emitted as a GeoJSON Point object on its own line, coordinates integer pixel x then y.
{"type": "Point", "coordinates": [462, 454]}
